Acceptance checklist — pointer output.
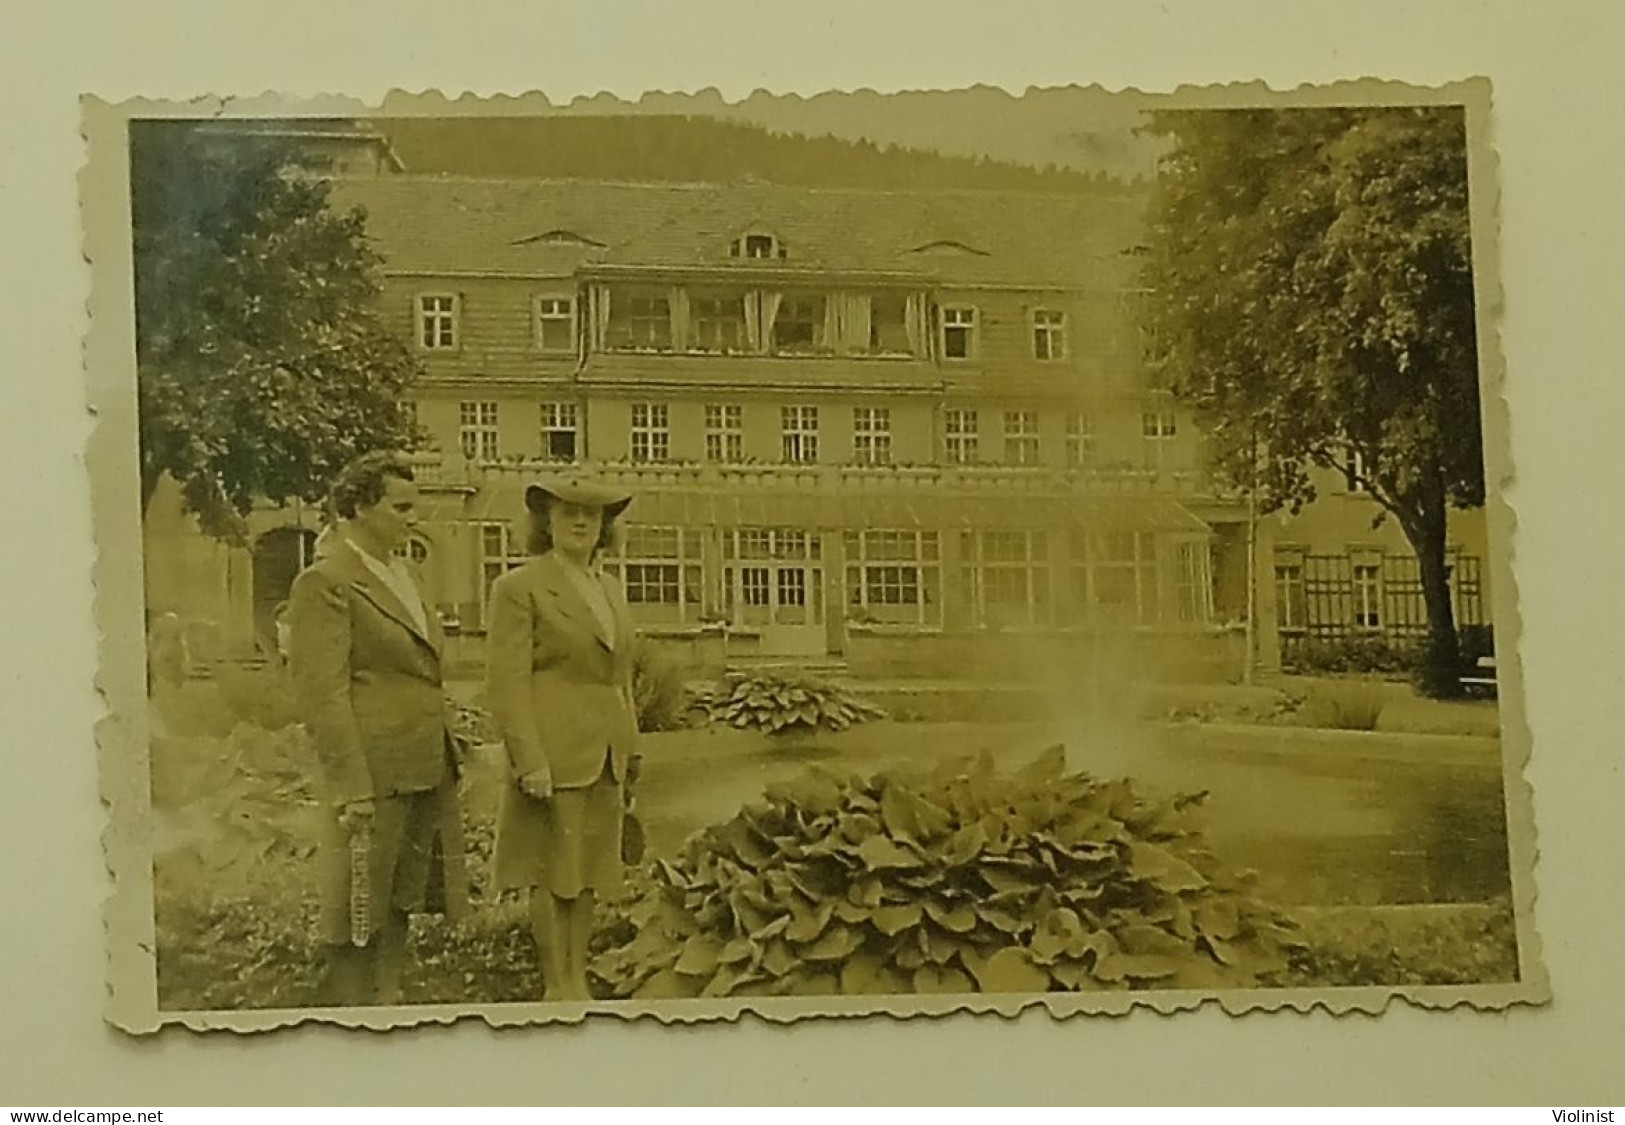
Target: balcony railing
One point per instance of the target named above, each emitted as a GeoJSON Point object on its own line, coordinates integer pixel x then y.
{"type": "Point", "coordinates": [437, 470]}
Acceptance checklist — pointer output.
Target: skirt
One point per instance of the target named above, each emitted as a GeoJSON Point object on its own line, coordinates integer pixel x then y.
{"type": "Point", "coordinates": [415, 863]}
{"type": "Point", "coordinates": [564, 845]}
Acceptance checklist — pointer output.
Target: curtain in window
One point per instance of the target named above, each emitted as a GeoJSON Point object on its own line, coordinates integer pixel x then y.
{"type": "Point", "coordinates": [853, 314]}
{"type": "Point", "coordinates": [834, 322]}
{"type": "Point", "coordinates": [768, 312]}
{"type": "Point", "coordinates": [915, 323]}
{"type": "Point", "coordinates": [753, 321]}
{"type": "Point", "coordinates": [600, 316]}
{"type": "Point", "coordinates": [677, 310]}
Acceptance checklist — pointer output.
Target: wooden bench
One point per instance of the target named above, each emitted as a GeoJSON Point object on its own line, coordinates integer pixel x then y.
{"type": "Point", "coordinates": [1483, 681]}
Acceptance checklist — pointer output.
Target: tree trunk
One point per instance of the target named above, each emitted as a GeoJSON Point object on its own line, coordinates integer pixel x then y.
{"type": "Point", "coordinates": [1439, 670]}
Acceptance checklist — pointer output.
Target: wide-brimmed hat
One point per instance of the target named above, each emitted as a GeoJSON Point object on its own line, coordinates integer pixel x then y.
{"type": "Point", "coordinates": [577, 488]}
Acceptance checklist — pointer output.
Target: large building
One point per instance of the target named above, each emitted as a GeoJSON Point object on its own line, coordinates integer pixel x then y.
{"type": "Point", "coordinates": [910, 431]}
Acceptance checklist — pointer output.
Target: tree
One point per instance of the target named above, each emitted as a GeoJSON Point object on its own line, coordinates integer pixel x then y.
{"type": "Point", "coordinates": [1312, 295]}
{"type": "Point", "coordinates": [262, 363]}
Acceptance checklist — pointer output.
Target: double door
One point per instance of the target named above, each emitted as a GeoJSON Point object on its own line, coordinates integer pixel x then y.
{"type": "Point", "coordinates": [774, 581]}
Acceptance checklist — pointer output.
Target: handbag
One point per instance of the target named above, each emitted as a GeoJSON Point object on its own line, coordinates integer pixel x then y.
{"type": "Point", "coordinates": [632, 837]}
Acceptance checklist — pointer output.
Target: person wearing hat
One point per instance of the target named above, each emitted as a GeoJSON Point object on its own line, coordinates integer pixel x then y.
{"type": "Point", "coordinates": [559, 686]}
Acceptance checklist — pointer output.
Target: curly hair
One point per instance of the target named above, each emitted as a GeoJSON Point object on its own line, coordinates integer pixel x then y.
{"type": "Point", "coordinates": [539, 539]}
{"type": "Point", "coordinates": [361, 484]}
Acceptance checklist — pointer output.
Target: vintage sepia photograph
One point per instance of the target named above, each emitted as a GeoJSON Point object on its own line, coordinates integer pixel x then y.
{"type": "Point", "coordinates": [898, 553]}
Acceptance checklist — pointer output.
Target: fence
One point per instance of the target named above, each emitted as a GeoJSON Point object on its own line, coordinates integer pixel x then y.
{"type": "Point", "coordinates": [1378, 598]}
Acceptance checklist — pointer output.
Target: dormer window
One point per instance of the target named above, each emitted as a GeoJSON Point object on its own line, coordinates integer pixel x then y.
{"type": "Point", "coordinates": [756, 246]}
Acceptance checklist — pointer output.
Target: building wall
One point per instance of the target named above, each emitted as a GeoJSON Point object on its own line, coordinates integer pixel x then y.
{"type": "Point", "coordinates": [1340, 520]}
{"type": "Point", "coordinates": [1131, 428]}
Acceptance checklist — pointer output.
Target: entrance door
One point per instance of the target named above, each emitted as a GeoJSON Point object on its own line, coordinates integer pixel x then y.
{"type": "Point", "coordinates": [776, 586]}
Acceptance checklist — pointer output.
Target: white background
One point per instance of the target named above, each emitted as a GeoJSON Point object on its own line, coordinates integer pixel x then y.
{"type": "Point", "coordinates": [1556, 68]}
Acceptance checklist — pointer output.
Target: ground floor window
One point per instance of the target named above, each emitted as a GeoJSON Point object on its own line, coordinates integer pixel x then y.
{"type": "Point", "coordinates": [1291, 599]}
{"type": "Point", "coordinates": [1114, 577]}
{"type": "Point", "coordinates": [1193, 582]}
{"type": "Point", "coordinates": [661, 573]}
{"type": "Point", "coordinates": [1005, 577]}
{"type": "Point", "coordinates": [1326, 597]}
{"type": "Point", "coordinates": [1368, 595]}
{"type": "Point", "coordinates": [894, 577]}
{"type": "Point", "coordinates": [502, 548]}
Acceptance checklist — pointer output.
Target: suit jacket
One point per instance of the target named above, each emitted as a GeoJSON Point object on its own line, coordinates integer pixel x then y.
{"type": "Point", "coordinates": [368, 682]}
{"type": "Point", "coordinates": [559, 689]}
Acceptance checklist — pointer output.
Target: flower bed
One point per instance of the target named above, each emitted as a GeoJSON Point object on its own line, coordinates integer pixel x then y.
{"type": "Point", "coordinates": [235, 910]}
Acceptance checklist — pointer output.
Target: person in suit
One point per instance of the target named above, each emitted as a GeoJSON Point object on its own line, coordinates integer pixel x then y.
{"type": "Point", "coordinates": [364, 652]}
{"type": "Point", "coordinates": [559, 686]}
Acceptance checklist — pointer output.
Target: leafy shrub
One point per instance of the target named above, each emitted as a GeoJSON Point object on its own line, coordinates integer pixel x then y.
{"type": "Point", "coordinates": [1368, 655]}
{"type": "Point", "coordinates": [783, 702]}
{"type": "Point", "coordinates": [659, 689]}
{"type": "Point", "coordinates": [957, 880]}
{"type": "Point", "coordinates": [471, 724]}
{"type": "Point", "coordinates": [1343, 706]}
{"type": "Point", "coordinates": [261, 696]}
{"type": "Point", "coordinates": [1376, 655]}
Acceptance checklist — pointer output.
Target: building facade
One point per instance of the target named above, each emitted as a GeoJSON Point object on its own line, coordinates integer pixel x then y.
{"type": "Point", "coordinates": [909, 431]}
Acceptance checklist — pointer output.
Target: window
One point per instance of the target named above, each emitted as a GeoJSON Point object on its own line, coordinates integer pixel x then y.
{"type": "Point", "coordinates": [1192, 587]}
{"type": "Point", "coordinates": [437, 322]}
{"type": "Point", "coordinates": [1006, 577]}
{"type": "Point", "coordinates": [799, 325]}
{"type": "Point", "coordinates": [724, 433]}
{"type": "Point", "coordinates": [477, 432]}
{"type": "Point", "coordinates": [639, 321]}
{"type": "Point", "coordinates": [500, 552]}
{"type": "Point", "coordinates": [651, 433]}
{"type": "Point", "coordinates": [660, 570]}
{"type": "Point", "coordinates": [1114, 577]}
{"type": "Point", "coordinates": [1133, 336]}
{"type": "Point", "coordinates": [1159, 429]}
{"type": "Point", "coordinates": [555, 324]}
{"type": "Point", "coordinates": [871, 435]}
{"type": "Point", "coordinates": [889, 332]}
{"type": "Point", "coordinates": [716, 324]}
{"type": "Point", "coordinates": [959, 436]}
{"type": "Point", "coordinates": [559, 430]}
{"type": "Point", "coordinates": [756, 246]}
{"type": "Point", "coordinates": [800, 427]}
{"type": "Point", "coordinates": [958, 333]}
{"type": "Point", "coordinates": [415, 552]}
{"type": "Point", "coordinates": [1354, 471]}
{"type": "Point", "coordinates": [1291, 596]}
{"type": "Point", "coordinates": [1368, 595]}
{"type": "Point", "coordinates": [1021, 437]}
{"type": "Point", "coordinates": [893, 576]}
{"type": "Point", "coordinates": [772, 575]}
{"type": "Point", "coordinates": [1049, 334]}
{"type": "Point", "coordinates": [1080, 439]}
{"type": "Point", "coordinates": [785, 544]}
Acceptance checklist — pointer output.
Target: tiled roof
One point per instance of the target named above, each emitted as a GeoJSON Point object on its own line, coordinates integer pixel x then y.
{"type": "Point", "coordinates": [433, 224]}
